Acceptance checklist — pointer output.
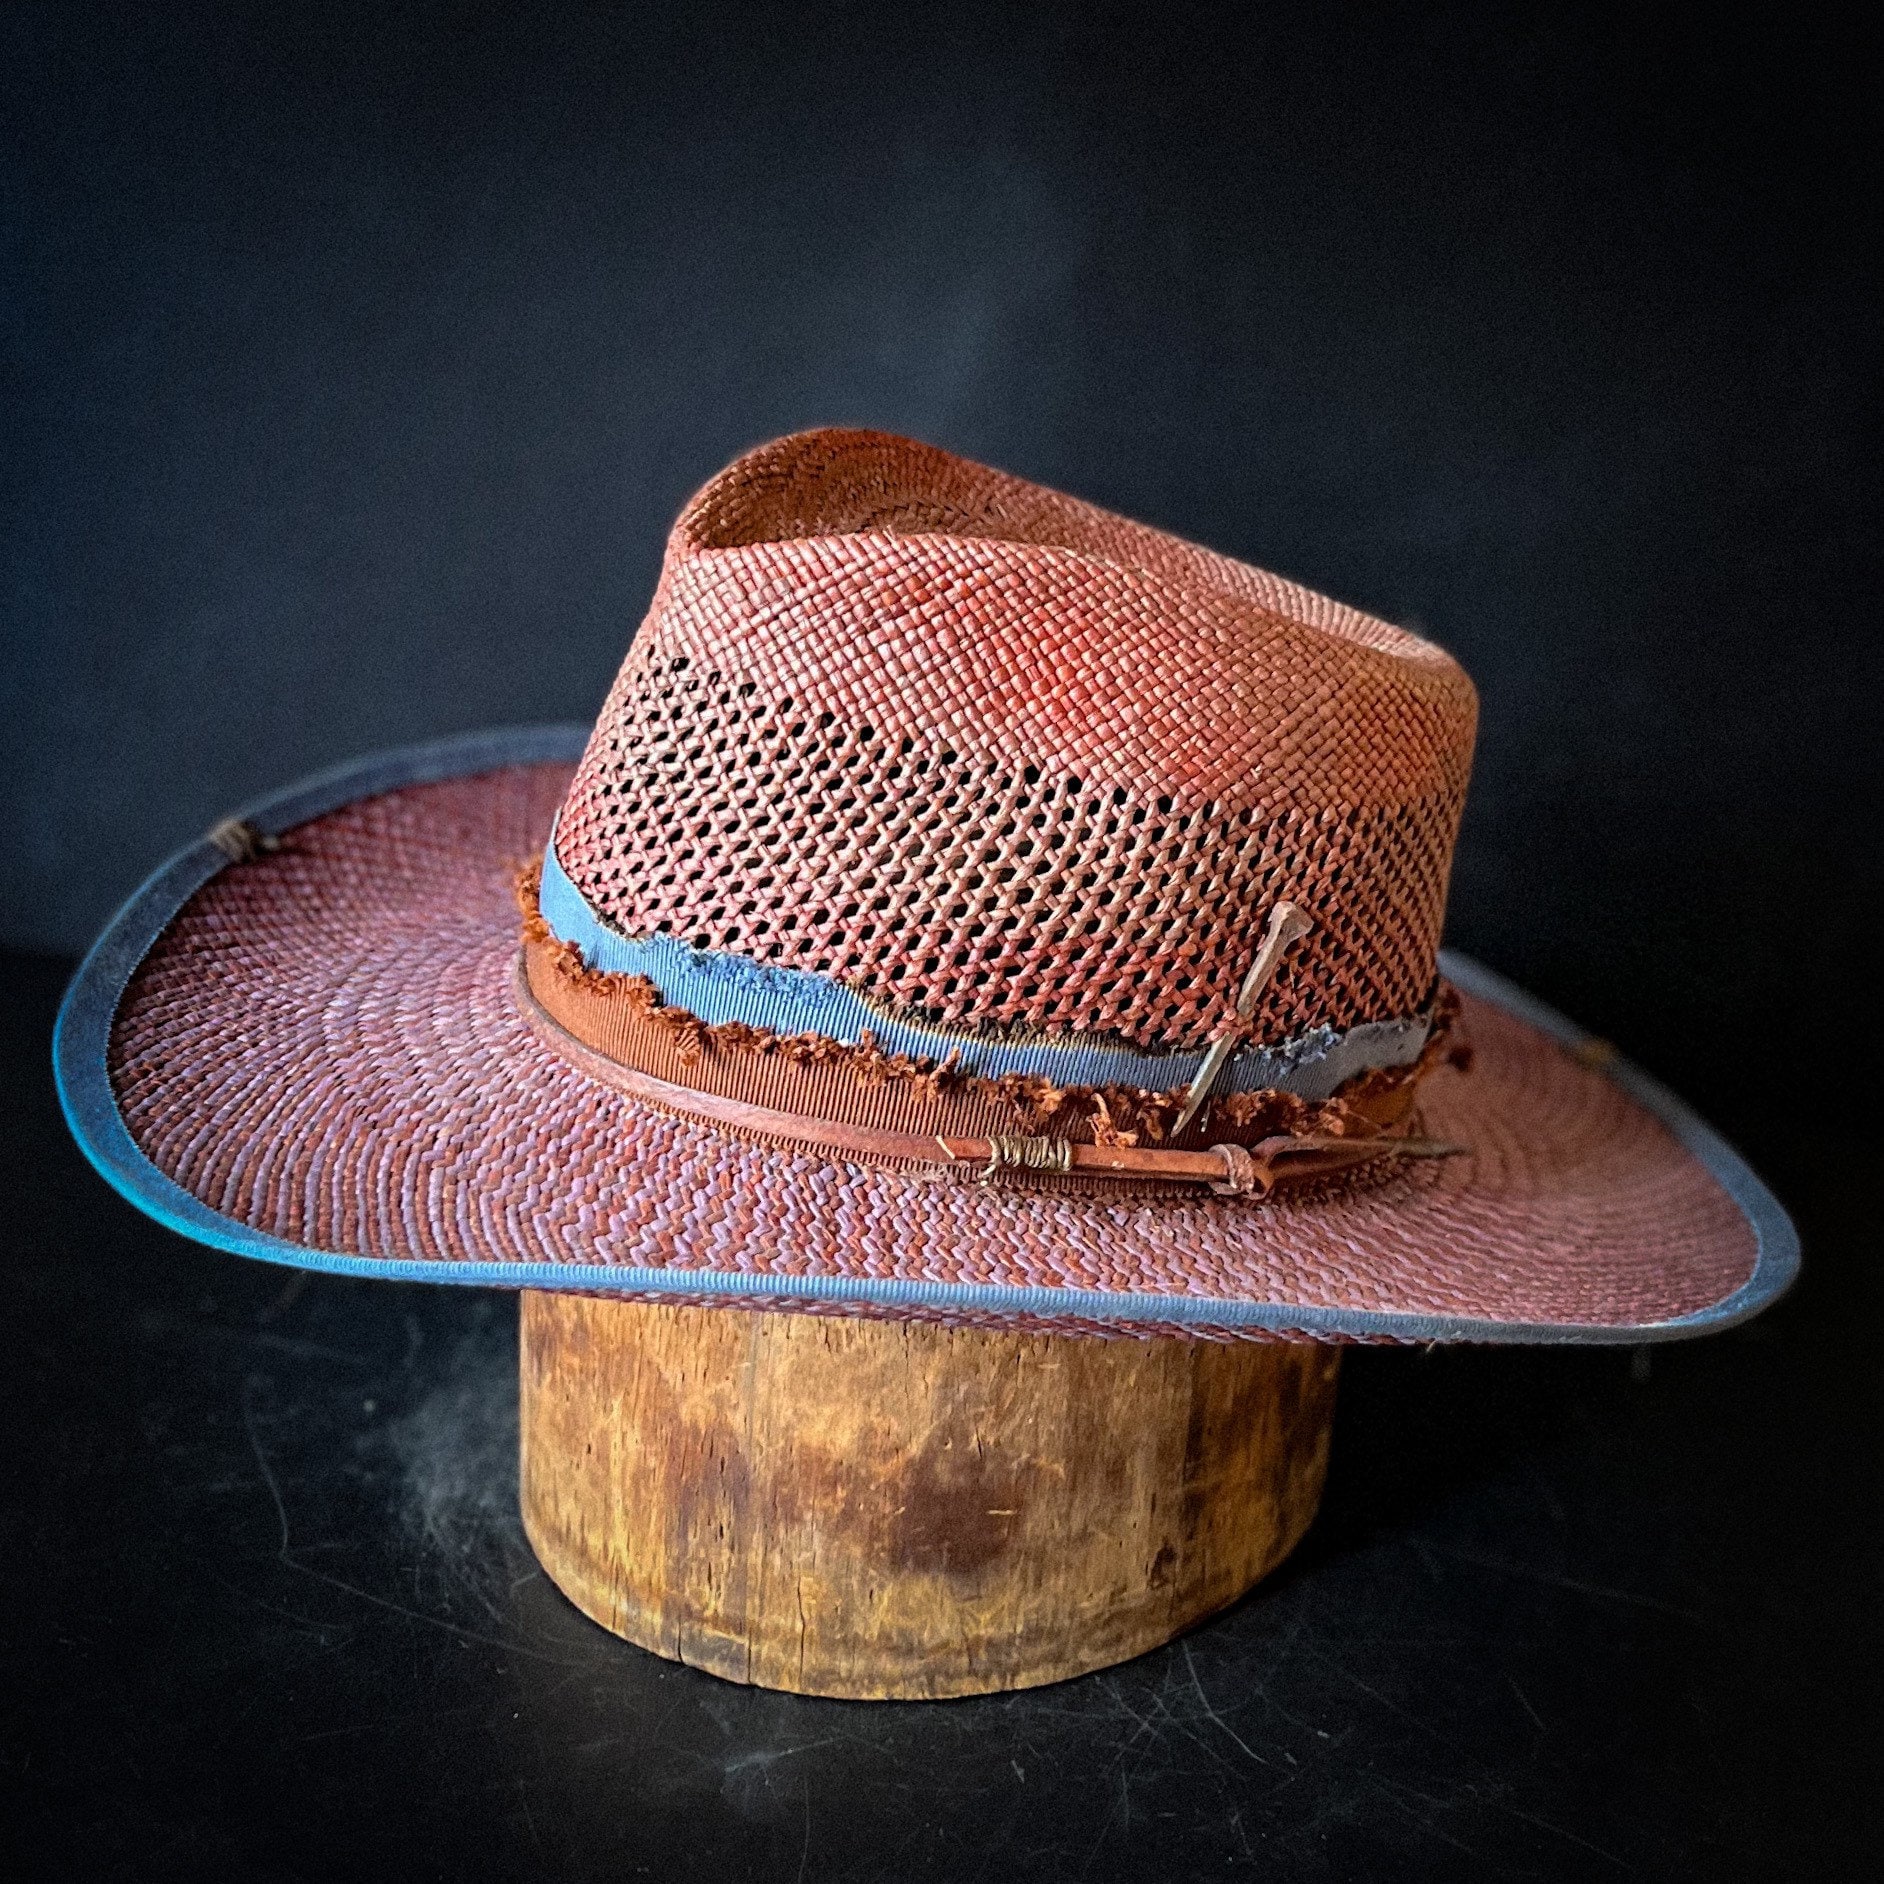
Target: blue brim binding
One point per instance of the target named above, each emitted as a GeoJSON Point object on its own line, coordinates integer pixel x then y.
{"type": "Point", "coordinates": [82, 1037]}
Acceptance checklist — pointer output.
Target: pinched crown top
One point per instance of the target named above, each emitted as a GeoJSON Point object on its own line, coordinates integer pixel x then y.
{"type": "Point", "coordinates": [1000, 758]}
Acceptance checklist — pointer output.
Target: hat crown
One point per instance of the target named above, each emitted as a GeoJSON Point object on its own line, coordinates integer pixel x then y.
{"type": "Point", "coordinates": [996, 757]}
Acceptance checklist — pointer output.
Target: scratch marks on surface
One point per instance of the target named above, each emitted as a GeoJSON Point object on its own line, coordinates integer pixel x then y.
{"type": "Point", "coordinates": [765, 1757]}
{"type": "Point", "coordinates": [261, 1459]}
{"type": "Point", "coordinates": [1210, 1713]}
{"type": "Point", "coordinates": [429, 1620]}
{"type": "Point", "coordinates": [1524, 1701]}
{"type": "Point", "coordinates": [178, 1330]}
{"type": "Point", "coordinates": [529, 1817]}
{"type": "Point", "coordinates": [455, 1456]}
{"type": "Point", "coordinates": [1557, 1580]}
{"type": "Point", "coordinates": [1545, 1825]}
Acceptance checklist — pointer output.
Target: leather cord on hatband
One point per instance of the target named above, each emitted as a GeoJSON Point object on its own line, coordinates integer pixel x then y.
{"type": "Point", "coordinates": [1228, 1170]}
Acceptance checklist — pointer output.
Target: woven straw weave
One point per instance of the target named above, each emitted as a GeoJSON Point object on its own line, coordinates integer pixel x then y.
{"type": "Point", "coordinates": [323, 1045]}
{"type": "Point", "coordinates": [1007, 760]}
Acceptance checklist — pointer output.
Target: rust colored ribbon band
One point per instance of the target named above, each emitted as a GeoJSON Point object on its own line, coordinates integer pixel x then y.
{"type": "Point", "coordinates": [1231, 1170]}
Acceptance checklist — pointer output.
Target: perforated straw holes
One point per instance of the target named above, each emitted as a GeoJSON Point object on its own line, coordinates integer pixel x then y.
{"type": "Point", "coordinates": [978, 892]}
{"type": "Point", "coordinates": [1002, 758]}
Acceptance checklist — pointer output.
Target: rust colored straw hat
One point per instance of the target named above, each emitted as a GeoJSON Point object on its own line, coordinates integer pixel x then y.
{"type": "Point", "coordinates": [969, 904]}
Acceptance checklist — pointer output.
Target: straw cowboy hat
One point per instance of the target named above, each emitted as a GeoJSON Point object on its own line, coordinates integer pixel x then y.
{"type": "Point", "coordinates": [969, 904]}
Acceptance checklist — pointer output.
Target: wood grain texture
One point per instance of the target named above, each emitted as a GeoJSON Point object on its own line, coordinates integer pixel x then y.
{"type": "Point", "coordinates": [880, 1509]}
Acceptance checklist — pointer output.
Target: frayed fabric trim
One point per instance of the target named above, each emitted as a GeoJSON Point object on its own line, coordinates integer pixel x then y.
{"type": "Point", "coordinates": [1120, 1116]}
{"type": "Point", "coordinates": [722, 987]}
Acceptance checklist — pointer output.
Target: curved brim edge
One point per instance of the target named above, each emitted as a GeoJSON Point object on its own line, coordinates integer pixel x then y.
{"type": "Point", "coordinates": [82, 1036]}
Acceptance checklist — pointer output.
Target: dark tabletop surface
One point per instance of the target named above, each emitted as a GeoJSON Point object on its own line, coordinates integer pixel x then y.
{"type": "Point", "coordinates": [269, 1613]}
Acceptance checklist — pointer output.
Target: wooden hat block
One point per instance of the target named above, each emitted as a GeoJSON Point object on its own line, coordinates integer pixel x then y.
{"type": "Point", "coordinates": [886, 1510]}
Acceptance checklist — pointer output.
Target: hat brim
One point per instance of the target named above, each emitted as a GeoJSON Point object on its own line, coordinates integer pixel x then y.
{"type": "Point", "coordinates": [314, 1058]}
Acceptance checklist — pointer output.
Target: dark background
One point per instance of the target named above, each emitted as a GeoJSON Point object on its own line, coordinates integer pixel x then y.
{"type": "Point", "coordinates": [354, 363]}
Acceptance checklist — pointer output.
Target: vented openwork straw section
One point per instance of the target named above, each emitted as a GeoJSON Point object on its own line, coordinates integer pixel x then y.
{"type": "Point", "coordinates": [1001, 758]}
